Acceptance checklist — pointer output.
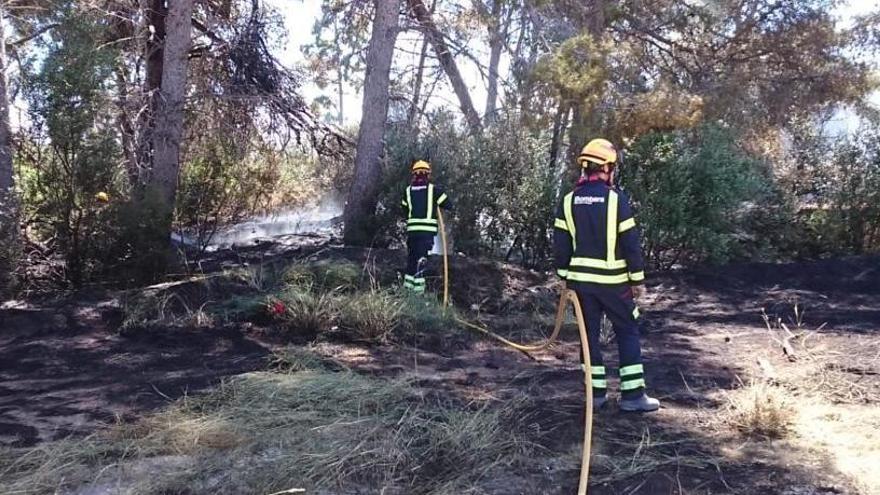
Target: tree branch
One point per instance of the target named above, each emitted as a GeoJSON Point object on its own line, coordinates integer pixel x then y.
{"type": "Point", "coordinates": [39, 32]}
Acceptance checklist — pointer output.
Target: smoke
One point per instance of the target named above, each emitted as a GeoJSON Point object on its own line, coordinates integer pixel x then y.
{"type": "Point", "coordinates": [321, 217]}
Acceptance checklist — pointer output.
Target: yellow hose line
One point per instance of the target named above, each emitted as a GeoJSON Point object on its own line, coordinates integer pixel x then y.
{"type": "Point", "coordinates": [567, 296]}
{"type": "Point", "coordinates": [445, 258]}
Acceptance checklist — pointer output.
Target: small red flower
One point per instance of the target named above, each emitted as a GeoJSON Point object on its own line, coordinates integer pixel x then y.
{"type": "Point", "coordinates": [278, 308]}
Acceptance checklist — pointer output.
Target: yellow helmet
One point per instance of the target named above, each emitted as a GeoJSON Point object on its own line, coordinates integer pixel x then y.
{"type": "Point", "coordinates": [598, 152]}
{"type": "Point", "coordinates": [421, 166]}
{"type": "Point", "coordinates": [102, 197]}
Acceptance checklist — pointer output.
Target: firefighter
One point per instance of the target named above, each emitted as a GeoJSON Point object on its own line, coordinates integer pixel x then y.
{"type": "Point", "coordinates": [596, 250]}
{"type": "Point", "coordinates": [421, 200]}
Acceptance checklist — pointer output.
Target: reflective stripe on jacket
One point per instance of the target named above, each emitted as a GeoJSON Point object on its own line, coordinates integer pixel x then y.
{"type": "Point", "coordinates": [595, 239]}
{"type": "Point", "coordinates": [421, 203]}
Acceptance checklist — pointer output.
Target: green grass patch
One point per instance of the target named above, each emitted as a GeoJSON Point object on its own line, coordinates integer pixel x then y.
{"type": "Point", "coordinates": [425, 322]}
{"type": "Point", "coordinates": [253, 308]}
{"type": "Point", "coordinates": [327, 275]}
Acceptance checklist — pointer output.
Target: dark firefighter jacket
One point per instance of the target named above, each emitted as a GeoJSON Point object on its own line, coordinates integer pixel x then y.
{"type": "Point", "coordinates": [595, 239]}
{"type": "Point", "coordinates": [421, 203]}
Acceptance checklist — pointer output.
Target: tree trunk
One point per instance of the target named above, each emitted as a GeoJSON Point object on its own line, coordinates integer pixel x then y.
{"type": "Point", "coordinates": [559, 124]}
{"type": "Point", "coordinates": [363, 196]}
{"type": "Point", "coordinates": [492, 90]}
{"type": "Point", "coordinates": [412, 118]}
{"type": "Point", "coordinates": [7, 181]}
{"type": "Point", "coordinates": [122, 27]}
{"type": "Point", "coordinates": [586, 122]}
{"type": "Point", "coordinates": [126, 127]}
{"type": "Point", "coordinates": [155, 14]}
{"type": "Point", "coordinates": [526, 85]}
{"type": "Point", "coordinates": [340, 95]}
{"type": "Point", "coordinates": [423, 16]}
{"type": "Point", "coordinates": [497, 32]}
{"type": "Point", "coordinates": [168, 131]}
{"type": "Point", "coordinates": [9, 225]}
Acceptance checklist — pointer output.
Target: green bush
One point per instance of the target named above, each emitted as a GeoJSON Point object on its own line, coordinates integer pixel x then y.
{"type": "Point", "coordinates": [136, 247]}
{"type": "Point", "coordinates": [849, 209]}
{"type": "Point", "coordinates": [71, 153]}
{"type": "Point", "coordinates": [829, 190]}
{"type": "Point", "coordinates": [501, 183]}
{"type": "Point", "coordinates": [692, 191]}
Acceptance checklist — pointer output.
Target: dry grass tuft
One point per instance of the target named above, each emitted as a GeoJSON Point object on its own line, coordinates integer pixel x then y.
{"type": "Point", "coordinates": [294, 358]}
{"type": "Point", "coordinates": [306, 312]}
{"type": "Point", "coordinates": [371, 316]}
{"type": "Point", "coordinates": [761, 410]}
{"type": "Point", "coordinates": [154, 310]}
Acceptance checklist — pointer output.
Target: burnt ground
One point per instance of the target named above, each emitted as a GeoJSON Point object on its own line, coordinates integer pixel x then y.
{"type": "Point", "coordinates": [67, 370]}
{"type": "Point", "coordinates": [704, 335]}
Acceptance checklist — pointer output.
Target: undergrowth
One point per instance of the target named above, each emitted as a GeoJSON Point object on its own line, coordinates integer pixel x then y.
{"type": "Point", "coordinates": [338, 300]}
{"type": "Point", "coordinates": [269, 431]}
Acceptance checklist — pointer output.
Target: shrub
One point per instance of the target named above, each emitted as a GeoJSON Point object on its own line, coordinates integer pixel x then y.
{"type": "Point", "coordinates": [851, 194]}
{"type": "Point", "coordinates": [70, 153]}
{"type": "Point", "coordinates": [135, 247]}
{"type": "Point", "coordinates": [832, 184]}
{"type": "Point", "coordinates": [371, 316]}
{"type": "Point", "coordinates": [307, 313]}
{"type": "Point", "coordinates": [501, 184]}
{"type": "Point", "coordinates": [691, 190]}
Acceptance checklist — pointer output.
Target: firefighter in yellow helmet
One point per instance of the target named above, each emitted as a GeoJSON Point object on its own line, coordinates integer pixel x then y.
{"type": "Point", "coordinates": [420, 202]}
{"type": "Point", "coordinates": [596, 250]}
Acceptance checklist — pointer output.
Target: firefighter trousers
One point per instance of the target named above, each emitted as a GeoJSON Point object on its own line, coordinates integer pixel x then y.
{"type": "Point", "coordinates": [417, 244]}
{"type": "Point", "coordinates": [617, 303]}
